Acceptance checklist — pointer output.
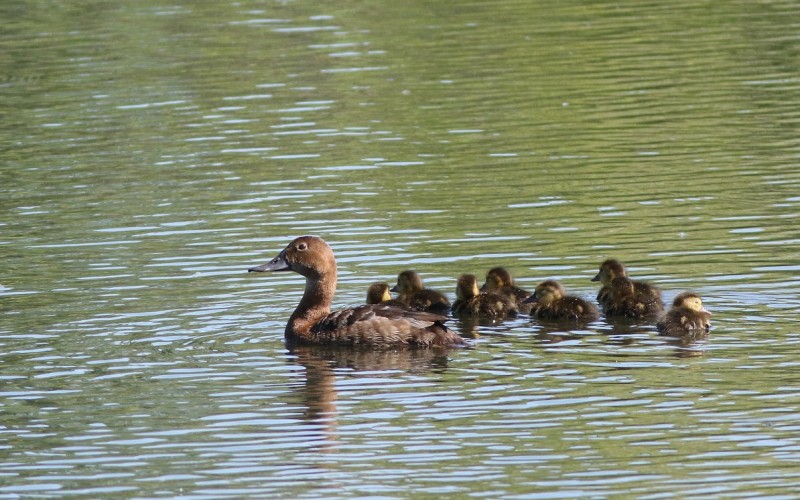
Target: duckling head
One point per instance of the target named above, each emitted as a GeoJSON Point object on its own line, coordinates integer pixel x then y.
{"type": "Point", "coordinates": [408, 282]}
{"type": "Point", "coordinates": [497, 278]}
{"type": "Point", "coordinates": [610, 269]}
{"type": "Point", "coordinates": [309, 256]}
{"type": "Point", "coordinates": [547, 292]}
{"type": "Point", "coordinates": [467, 287]}
{"type": "Point", "coordinates": [689, 300]}
{"type": "Point", "coordinates": [378, 292]}
{"type": "Point", "coordinates": [621, 287]}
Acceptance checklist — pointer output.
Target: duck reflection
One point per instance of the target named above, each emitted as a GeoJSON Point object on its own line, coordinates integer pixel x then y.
{"type": "Point", "coordinates": [689, 344]}
{"type": "Point", "coordinates": [322, 364]}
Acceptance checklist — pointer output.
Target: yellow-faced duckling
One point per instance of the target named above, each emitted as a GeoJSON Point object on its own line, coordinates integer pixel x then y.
{"type": "Point", "coordinates": [645, 293]}
{"type": "Point", "coordinates": [312, 322]}
{"type": "Point", "coordinates": [499, 280]}
{"type": "Point", "coordinates": [416, 297]}
{"type": "Point", "coordinates": [470, 301]}
{"type": "Point", "coordinates": [551, 303]}
{"type": "Point", "coordinates": [378, 293]}
{"type": "Point", "coordinates": [687, 315]}
{"type": "Point", "coordinates": [622, 300]}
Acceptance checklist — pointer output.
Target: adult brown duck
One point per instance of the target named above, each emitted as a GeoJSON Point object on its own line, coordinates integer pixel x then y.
{"type": "Point", "coordinates": [312, 322]}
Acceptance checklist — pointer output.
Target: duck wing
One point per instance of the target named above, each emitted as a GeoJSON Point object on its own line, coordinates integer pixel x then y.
{"type": "Point", "coordinates": [381, 324]}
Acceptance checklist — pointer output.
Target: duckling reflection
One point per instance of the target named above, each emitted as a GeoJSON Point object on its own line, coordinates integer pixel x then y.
{"type": "Point", "coordinates": [472, 302]}
{"type": "Point", "coordinates": [416, 297]}
{"type": "Point", "coordinates": [322, 363]}
{"type": "Point", "coordinates": [499, 280]}
{"type": "Point", "coordinates": [648, 296]}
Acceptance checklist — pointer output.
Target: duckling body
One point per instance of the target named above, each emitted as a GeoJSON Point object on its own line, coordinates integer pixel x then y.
{"type": "Point", "coordinates": [414, 295]}
{"type": "Point", "coordinates": [645, 301]}
{"type": "Point", "coordinates": [312, 322]}
{"type": "Point", "coordinates": [623, 300]}
{"type": "Point", "coordinates": [499, 280]}
{"type": "Point", "coordinates": [472, 302]}
{"type": "Point", "coordinates": [551, 303]}
{"type": "Point", "coordinates": [378, 293]}
{"type": "Point", "coordinates": [687, 315]}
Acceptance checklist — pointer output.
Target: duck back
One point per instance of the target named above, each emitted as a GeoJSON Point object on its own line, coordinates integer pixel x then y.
{"type": "Point", "coordinates": [566, 308]}
{"type": "Point", "coordinates": [380, 324]}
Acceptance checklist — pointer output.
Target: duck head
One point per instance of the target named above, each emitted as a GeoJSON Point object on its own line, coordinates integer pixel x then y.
{"type": "Point", "coordinates": [309, 256]}
{"type": "Point", "coordinates": [690, 300]}
{"type": "Point", "coordinates": [408, 282]}
{"type": "Point", "coordinates": [610, 269]}
{"type": "Point", "coordinates": [546, 292]}
{"type": "Point", "coordinates": [497, 278]}
{"type": "Point", "coordinates": [467, 287]}
{"type": "Point", "coordinates": [378, 292]}
{"type": "Point", "coordinates": [621, 287]}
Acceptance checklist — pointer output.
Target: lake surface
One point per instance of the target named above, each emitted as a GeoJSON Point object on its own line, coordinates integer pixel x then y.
{"type": "Point", "coordinates": [153, 151]}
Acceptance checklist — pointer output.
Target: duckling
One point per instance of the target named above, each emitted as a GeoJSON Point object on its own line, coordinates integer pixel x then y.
{"type": "Point", "coordinates": [472, 302]}
{"type": "Point", "coordinates": [375, 325]}
{"type": "Point", "coordinates": [499, 280]}
{"type": "Point", "coordinates": [418, 298]}
{"type": "Point", "coordinates": [645, 293]}
{"type": "Point", "coordinates": [687, 315]}
{"type": "Point", "coordinates": [550, 302]}
{"type": "Point", "coordinates": [378, 293]}
{"type": "Point", "coordinates": [622, 300]}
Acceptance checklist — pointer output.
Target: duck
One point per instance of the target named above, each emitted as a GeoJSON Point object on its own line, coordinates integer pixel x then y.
{"type": "Point", "coordinates": [687, 315]}
{"type": "Point", "coordinates": [623, 301]}
{"type": "Point", "coordinates": [499, 280]}
{"type": "Point", "coordinates": [645, 293]}
{"type": "Point", "coordinates": [470, 301]}
{"type": "Point", "coordinates": [414, 295]}
{"type": "Point", "coordinates": [378, 293]}
{"type": "Point", "coordinates": [551, 303]}
{"type": "Point", "coordinates": [373, 325]}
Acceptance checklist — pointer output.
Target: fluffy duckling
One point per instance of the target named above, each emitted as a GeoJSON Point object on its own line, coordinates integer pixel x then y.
{"type": "Point", "coordinates": [377, 325]}
{"type": "Point", "coordinates": [645, 293]}
{"type": "Point", "coordinates": [378, 293]}
{"type": "Point", "coordinates": [622, 300]}
{"type": "Point", "coordinates": [472, 302]}
{"type": "Point", "coordinates": [414, 295]}
{"type": "Point", "coordinates": [687, 315]}
{"type": "Point", "coordinates": [499, 280]}
{"type": "Point", "coordinates": [550, 302]}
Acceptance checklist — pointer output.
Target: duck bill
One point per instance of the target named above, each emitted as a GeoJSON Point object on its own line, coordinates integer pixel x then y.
{"type": "Point", "coordinates": [531, 300]}
{"type": "Point", "coordinates": [394, 289]}
{"type": "Point", "coordinates": [277, 264]}
{"type": "Point", "coordinates": [704, 310]}
{"type": "Point", "coordinates": [483, 288]}
{"type": "Point", "coordinates": [596, 278]}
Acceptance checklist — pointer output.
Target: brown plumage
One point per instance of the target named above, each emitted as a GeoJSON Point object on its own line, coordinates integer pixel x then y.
{"type": "Point", "coordinates": [622, 300]}
{"type": "Point", "coordinates": [378, 293]}
{"type": "Point", "coordinates": [647, 295]}
{"type": "Point", "coordinates": [499, 280]}
{"type": "Point", "coordinates": [472, 302]}
{"type": "Point", "coordinates": [416, 297]}
{"type": "Point", "coordinates": [551, 303]}
{"type": "Point", "coordinates": [374, 324]}
{"type": "Point", "coordinates": [687, 315]}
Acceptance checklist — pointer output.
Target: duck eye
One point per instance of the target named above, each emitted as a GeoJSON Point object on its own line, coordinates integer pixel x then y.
{"type": "Point", "coordinates": [302, 246]}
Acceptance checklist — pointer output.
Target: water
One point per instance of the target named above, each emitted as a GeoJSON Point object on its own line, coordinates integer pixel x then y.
{"type": "Point", "coordinates": [153, 152]}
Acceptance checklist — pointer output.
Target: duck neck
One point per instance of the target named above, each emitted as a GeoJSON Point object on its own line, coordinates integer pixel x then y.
{"type": "Point", "coordinates": [315, 304]}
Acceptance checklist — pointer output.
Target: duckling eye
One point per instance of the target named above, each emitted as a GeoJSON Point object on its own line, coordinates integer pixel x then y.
{"type": "Point", "coordinates": [302, 246]}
